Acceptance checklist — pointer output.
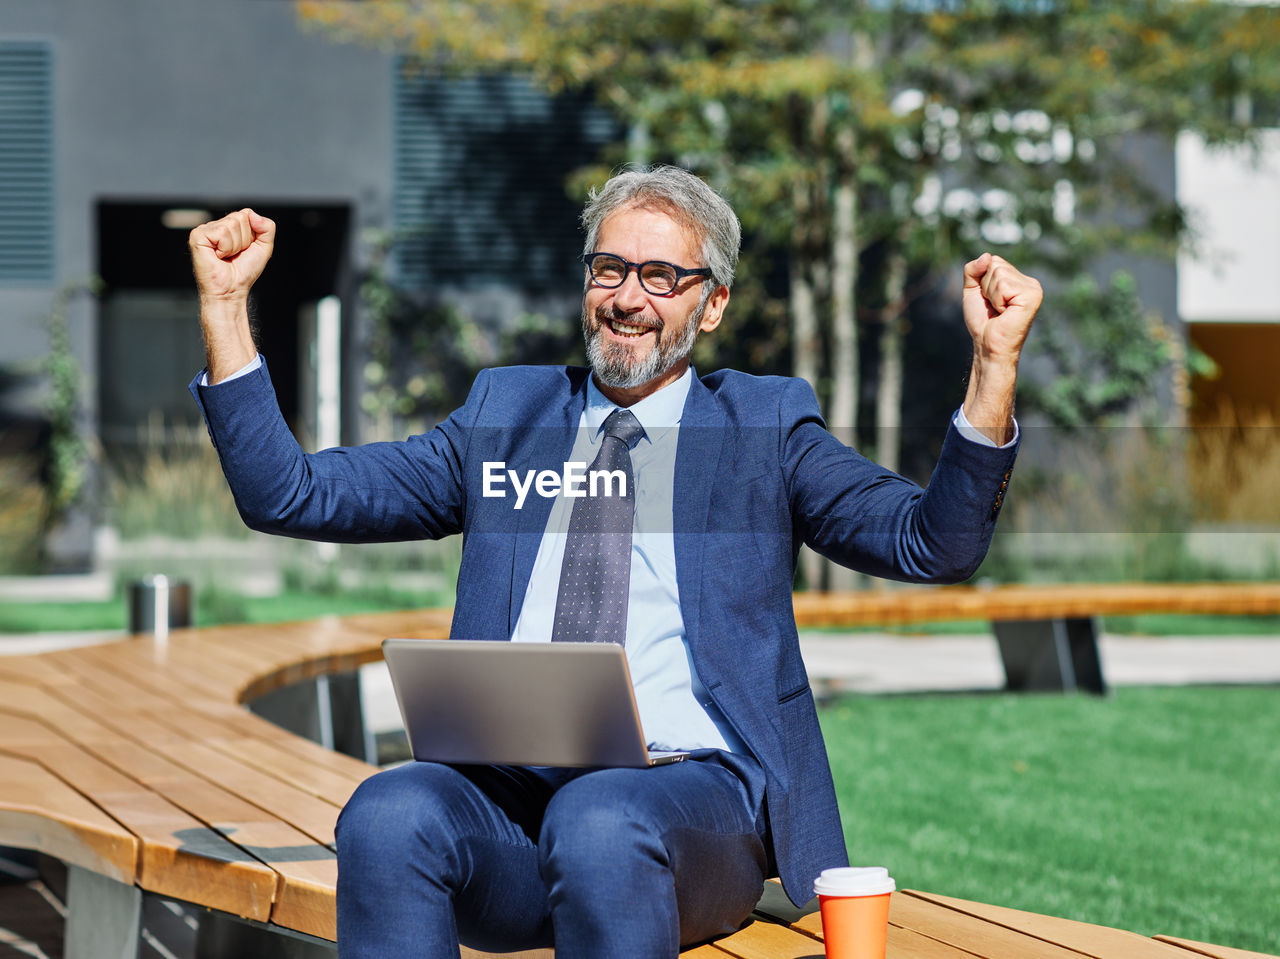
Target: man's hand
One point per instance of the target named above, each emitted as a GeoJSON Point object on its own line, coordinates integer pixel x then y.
{"type": "Point", "coordinates": [999, 304]}
{"type": "Point", "coordinates": [228, 256]}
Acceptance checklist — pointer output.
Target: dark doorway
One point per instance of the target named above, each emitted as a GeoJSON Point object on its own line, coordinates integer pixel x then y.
{"type": "Point", "coordinates": [149, 343]}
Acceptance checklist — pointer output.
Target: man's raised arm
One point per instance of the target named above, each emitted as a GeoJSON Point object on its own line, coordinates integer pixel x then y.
{"type": "Point", "coordinates": [228, 256]}
{"type": "Point", "coordinates": [999, 304]}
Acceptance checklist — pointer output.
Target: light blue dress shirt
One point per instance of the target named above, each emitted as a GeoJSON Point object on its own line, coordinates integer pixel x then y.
{"type": "Point", "coordinates": [675, 710]}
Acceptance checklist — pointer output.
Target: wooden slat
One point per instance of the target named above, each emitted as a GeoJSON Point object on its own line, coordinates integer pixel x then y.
{"type": "Point", "coordinates": [39, 811]}
{"type": "Point", "coordinates": [180, 856]}
{"type": "Point", "coordinates": [308, 870]}
{"type": "Point", "coordinates": [1205, 949]}
{"type": "Point", "coordinates": [708, 951]}
{"type": "Point", "coordinates": [925, 604]}
{"type": "Point", "coordinates": [969, 933]}
{"type": "Point", "coordinates": [767, 940]}
{"type": "Point", "coordinates": [310, 815]}
{"type": "Point", "coordinates": [902, 944]}
{"type": "Point", "coordinates": [1085, 938]}
{"type": "Point", "coordinates": [140, 664]}
{"type": "Point", "coordinates": [301, 763]}
{"type": "Point", "coordinates": [231, 730]}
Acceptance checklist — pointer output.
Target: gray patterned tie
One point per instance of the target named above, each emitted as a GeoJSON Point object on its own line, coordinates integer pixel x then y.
{"type": "Point", "coordinates": [595, 579]}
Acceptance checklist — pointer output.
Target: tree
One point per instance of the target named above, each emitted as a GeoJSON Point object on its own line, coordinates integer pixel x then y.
{"type": "Point", "coordinates": [902, 134]}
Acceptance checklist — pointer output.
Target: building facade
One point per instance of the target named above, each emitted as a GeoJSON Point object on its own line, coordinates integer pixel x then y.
{"type": "Point", "coordinates": [124, 124]}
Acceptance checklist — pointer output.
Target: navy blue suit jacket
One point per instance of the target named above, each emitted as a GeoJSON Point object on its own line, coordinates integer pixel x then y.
{"type": "Point", "coordinates": [757, 474]}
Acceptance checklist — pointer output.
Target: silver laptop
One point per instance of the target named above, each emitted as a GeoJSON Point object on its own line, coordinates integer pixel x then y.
{"type": "Point", "coordinates": [519, 704]}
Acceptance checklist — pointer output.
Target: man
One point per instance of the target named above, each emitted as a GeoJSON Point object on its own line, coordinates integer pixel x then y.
{"type": "Point", "coordinates": [730, 473]}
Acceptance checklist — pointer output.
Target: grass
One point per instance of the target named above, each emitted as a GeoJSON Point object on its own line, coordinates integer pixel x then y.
{"type": "Point", "coordinates": [1152, 810]}
{"type": "Point", "coordinates": [213, 608]}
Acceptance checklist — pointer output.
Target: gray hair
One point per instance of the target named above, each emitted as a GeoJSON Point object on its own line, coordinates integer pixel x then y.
{"type": "Point", "coordinates": [697, 207]}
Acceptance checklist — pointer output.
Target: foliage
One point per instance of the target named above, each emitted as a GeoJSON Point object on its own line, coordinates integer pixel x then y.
{"type": "Point", "coordinates": [22, 505]}
{"type": "Point", "coordinates": [172, 487]}
{"type": "Point", "coordinates": [68, 456]}
{"type": "Point", "coordinates": [1105, 352]}
{"type": "Point", "coordinates": [956, 126]}
{"type": "Point", "coordinates": [1108, 503]}
{"type": "Point", "coordinates": [424, 355]}
{"type": "Point", "coordinates": [1237, 461]}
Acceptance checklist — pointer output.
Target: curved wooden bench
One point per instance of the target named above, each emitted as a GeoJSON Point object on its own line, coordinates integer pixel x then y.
{"type": "Point", "coordinates": [1047, 635]}
{"type": "Point", "coordinates": [137, 764]}
{"type": "Point", "coordinates": [889, 607]}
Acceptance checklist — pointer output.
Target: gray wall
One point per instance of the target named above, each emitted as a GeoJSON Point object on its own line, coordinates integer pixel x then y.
{"type": "Point", "coordinates": [168, 99]}
{"type": "Point", "coordinates": [172, 98]}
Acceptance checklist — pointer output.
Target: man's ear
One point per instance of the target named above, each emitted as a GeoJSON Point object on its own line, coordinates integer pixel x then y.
{"type": "Point", "coordinates": [715, 309]}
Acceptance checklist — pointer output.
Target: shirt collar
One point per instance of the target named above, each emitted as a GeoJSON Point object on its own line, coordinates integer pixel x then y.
{"type": "Point", "coordinates": [660, 410]}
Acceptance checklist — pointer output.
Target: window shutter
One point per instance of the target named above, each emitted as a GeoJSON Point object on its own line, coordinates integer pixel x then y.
{"type": "Point", "coordinates": [481, 164]}
{"type": "Point", "coordinates": [26, 162]}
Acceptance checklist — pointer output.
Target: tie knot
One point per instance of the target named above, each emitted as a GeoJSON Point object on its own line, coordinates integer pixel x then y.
{"type": "Point", "coordinates": [623, 425]}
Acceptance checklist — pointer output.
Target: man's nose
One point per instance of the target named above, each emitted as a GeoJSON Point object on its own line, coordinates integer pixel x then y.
{"type": "Point", "coordinates": [631, 296]}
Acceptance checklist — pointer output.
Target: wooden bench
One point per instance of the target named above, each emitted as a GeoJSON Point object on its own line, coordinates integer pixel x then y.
{"type": "Point", "coordinates": [137, 764]}
{"type": "Point", "coordinates": [1047, 635]}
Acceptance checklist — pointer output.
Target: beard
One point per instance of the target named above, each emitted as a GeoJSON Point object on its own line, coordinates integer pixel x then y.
{"type": "Point", "coordinates": [615, 364]}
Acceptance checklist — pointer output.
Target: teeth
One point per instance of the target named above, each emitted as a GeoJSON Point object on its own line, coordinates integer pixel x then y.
{"type": "Point", "coordinates": [627, 329]}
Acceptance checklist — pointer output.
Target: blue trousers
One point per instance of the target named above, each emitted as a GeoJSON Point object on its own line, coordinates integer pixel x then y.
{"type": "Point", "coordinates": [599, 863]}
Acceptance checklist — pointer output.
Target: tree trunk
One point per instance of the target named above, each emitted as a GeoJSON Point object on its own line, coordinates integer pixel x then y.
{"type": "Point", "coordinates": [639, 144]}
{"type": "Point", "coordinates": [804, 308]}
{"type": "Point", "coordinates": [804, 334]}
{"type": "Point", "coordinates": [890, 380]}
{"type": "Point", "coordinates": [843, 415]}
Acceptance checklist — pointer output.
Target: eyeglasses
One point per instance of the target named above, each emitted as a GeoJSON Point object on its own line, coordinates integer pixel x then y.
{"type": "Point", "coordinates": [656, 276]}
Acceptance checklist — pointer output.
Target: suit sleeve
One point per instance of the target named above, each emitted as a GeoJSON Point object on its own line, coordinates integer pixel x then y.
{"type": "Point", "coordinates": [380, 492]}
{"type": "Point", "coordinates": [873, 520]}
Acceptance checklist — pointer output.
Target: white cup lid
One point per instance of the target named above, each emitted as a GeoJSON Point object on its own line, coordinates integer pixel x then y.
{"type": "Point", "coordinates": [854, 881]}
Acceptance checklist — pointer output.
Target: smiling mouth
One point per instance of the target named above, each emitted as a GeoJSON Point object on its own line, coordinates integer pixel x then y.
{"type": "Point", "coordinates": [629, 330]}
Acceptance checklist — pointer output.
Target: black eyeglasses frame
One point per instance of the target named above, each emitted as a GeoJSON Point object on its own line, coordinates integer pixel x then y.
{"type": "Point", "coordinates": [628, 266]}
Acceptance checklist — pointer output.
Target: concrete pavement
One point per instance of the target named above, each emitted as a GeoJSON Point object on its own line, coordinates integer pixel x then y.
{"type": "Point", "coordinates": [892, 663]}
{"type": "Point", "coordinates": [884, 663]}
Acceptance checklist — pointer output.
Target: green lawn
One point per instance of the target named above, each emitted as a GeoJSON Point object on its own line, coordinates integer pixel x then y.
{"type": "Point", "coordinates": [212, 608]}
{"type": "Point", "coordinates": [217, 607]}
{"type": "Point", "coordinates": [1154, 810]}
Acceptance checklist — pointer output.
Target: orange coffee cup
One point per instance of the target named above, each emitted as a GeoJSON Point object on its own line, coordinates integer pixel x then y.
{"type": "Point", "coordinates": [855, 911]}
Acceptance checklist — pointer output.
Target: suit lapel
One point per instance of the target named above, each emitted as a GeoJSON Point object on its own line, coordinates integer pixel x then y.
{"type": "Point", "coordinates": [545, 446]}
{"type": "Point", "coordinates": [697, 461]}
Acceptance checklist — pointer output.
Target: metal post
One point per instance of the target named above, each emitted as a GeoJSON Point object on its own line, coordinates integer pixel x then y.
{"type": "Point", "coordinates": [1051, 654]}
{"type": "Point", "coordinates": [158, 604]}
{"type": "Point", "coordinates": [222, 935]}
{"type": "Point", "coordinates": [326, 710]}
{"type": "Point", "coordinates": [104, 917]}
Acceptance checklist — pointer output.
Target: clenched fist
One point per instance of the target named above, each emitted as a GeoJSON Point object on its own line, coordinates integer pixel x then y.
{"type": "Point", "coordinates": [229, 255]}
{"type": "Point", "coordinates": [1000, 301]}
